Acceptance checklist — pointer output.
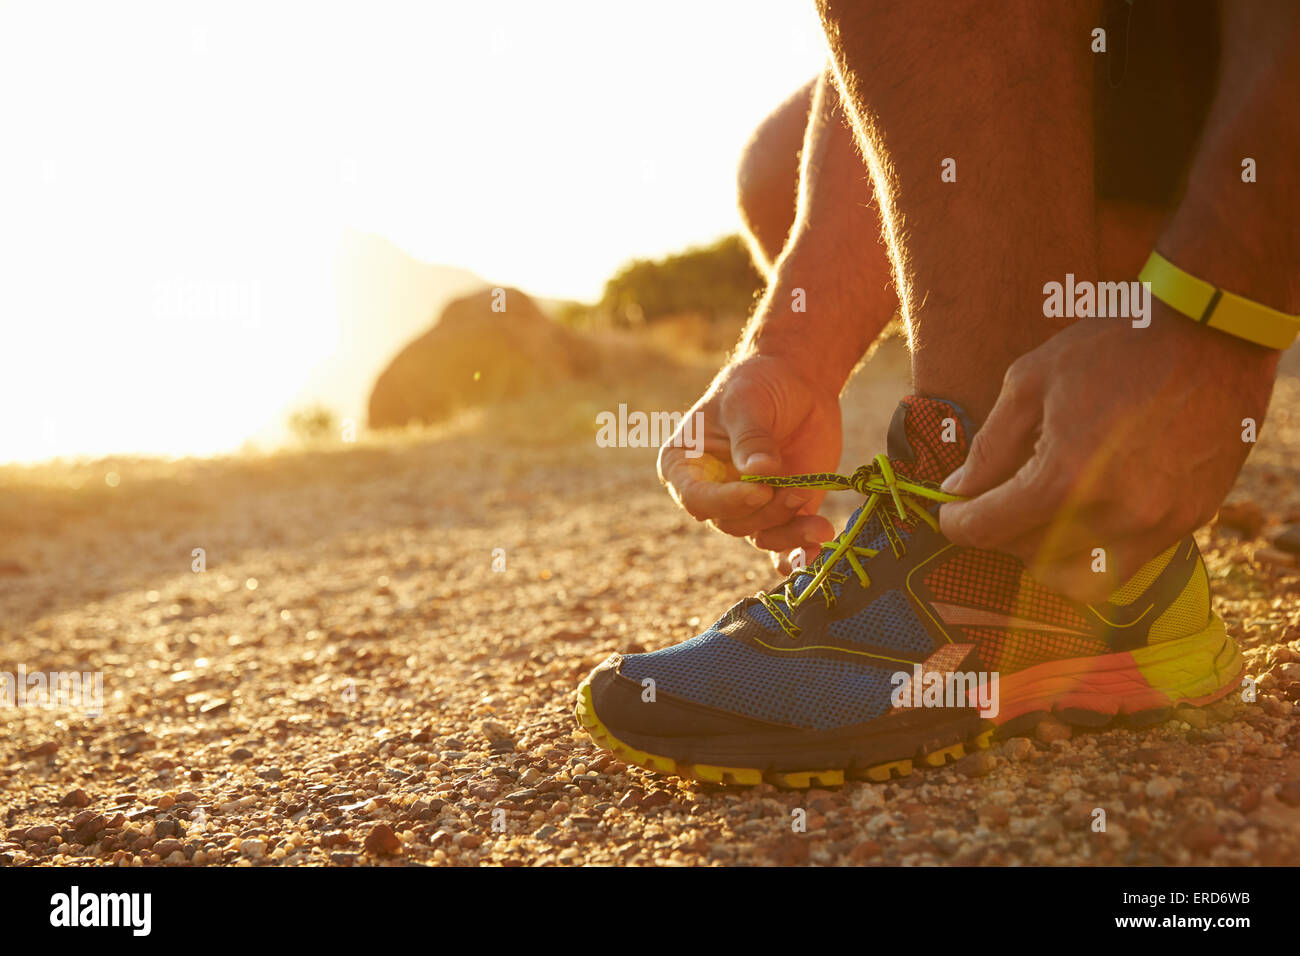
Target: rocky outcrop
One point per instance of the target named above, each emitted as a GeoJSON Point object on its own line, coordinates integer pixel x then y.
{"type": "Point", "coordinates": [487, 347]}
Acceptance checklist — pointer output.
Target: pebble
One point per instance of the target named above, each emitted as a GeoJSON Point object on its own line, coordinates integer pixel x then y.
{"type": "Point", "coordinates": [1050, 730]}
{"type": "Point", "coordinates": [978, 764]}
{"type": "Point", "coordinates": [1244, 516]}
{"type": "Point", "coordinates": [1159, 788]}
{"type": "Point", "coordinates": [1275, 557]}
{"type": "Point", "coordinates": [382, 840]}
{"type": "Point", "coordinates": [1287, 538]}
{"type": "Point", "coordinates": [1019, 748]}
{"type": "Point", "coordinates": [253, 849]}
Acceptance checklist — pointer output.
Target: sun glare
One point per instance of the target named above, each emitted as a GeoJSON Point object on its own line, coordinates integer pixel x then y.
{"type": "Point", "coordinates": [177, 183]}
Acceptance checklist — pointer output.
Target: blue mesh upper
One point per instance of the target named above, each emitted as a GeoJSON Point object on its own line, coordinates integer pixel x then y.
{"type": "Point", "coordinates": [889, 622]}
{"type": "Point", "coordinates": [817, 693]}
{"type": "Point", "coordinates": [871, 536]}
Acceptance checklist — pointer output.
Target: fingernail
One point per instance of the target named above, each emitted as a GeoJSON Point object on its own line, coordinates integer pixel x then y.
{"type": "Point", "coordinates": [953, 480]}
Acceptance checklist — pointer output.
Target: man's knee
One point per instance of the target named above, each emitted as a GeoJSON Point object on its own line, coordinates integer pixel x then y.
{"type": "Point", "coordinates": [768, 175]}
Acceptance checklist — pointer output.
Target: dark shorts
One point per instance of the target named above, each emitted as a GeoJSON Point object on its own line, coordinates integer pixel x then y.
{"type": "Point", "coordinates": [1153, 87]}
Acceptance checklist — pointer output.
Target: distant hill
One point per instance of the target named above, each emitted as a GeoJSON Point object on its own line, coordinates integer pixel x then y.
{"type": "Point", "coordinates": [386, 298]}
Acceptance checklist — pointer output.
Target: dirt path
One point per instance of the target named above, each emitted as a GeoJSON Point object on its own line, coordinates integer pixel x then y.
{"type": "Point", "coordinates": [349, 680]}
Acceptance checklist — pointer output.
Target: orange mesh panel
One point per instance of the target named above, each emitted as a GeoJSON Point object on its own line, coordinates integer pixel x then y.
{"type": "Point", "coordinates": [1010, 651]}
{"type": "Point", "coordinates": [998, 582]}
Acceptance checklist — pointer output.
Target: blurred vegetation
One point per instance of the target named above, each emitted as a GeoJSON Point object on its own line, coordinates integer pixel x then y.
{"type": "Point", "coordinates": [717, 281]}
{"type": "Point", "coordinates": [314, 423]}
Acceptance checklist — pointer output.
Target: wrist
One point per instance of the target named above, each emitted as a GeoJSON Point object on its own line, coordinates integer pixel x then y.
{"type": "Point", "coordinates": [1187, 338]}
{"type": "Point", "coordinates": [823, 346]}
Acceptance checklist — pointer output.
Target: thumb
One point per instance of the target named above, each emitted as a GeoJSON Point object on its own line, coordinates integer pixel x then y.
{"type": "Point", "coordinates": [1003, 443]}
{"type": "Point", "coordinates": [754, 449]}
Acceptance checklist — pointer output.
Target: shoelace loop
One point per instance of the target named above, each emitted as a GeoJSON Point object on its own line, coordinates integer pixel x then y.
{"type": "Point", "coordinates": [876, 481]}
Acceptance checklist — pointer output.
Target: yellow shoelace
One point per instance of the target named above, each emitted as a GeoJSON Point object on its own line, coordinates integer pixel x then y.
{"type": "Point", "coordinates": [878, 483]}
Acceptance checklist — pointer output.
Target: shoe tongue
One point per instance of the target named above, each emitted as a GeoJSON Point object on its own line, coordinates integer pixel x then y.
{"type": "Point", "coordinates": [929, 437]}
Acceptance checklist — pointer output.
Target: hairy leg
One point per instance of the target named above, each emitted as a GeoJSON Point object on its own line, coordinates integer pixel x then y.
{"type": "Point", "coordinates": [768, 177]}
{"type": "Point", "coordinates": [1005, 92]}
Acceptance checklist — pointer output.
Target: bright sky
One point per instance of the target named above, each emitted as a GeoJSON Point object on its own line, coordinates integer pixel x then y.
{"type": "Point", "coordinates": [175, 179]}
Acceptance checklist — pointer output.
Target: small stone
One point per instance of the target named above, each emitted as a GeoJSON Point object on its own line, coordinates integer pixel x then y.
{"type": "Point", "coordinates": [167, 828]}
{"type": "Point", "coordinates": [1287, 538]}
{"type": "Point", "coordinates": [1243, 516]}
{"type": "Point", "coordinates": [978, 764]}
{"type": "Point", "coordinates": [87, 831]}
{"type": "Point", "coordinates": [47, 749]}
{"type": "Point", "coordinates": [1276, 708]}
{"type": "Point", "coordinates": [1202, 837]}
{"type": "Point", "coordinates": [1275, 557]}
{"type": "Point", "coordinates": [1158, 788]}
{"type": "Point", "coordinates": [76, 798]}
{"type": "Point", "coordinates": [1288, 793]}
{"type": "Point", "coordinates": [1049, 729]}
{"type": "Point", "coordinates": [530, 777]}
{"type": "Point", "coordinates": [656, 798]}
{"type": "Point", "coordinates": [165, 848]}
{"type": "Point", "coordinates": [546, 832]}
{"type": "Point", "coordinates": [864, 851]}
{"type": "Point", "coordinates": [1194, 717]}
{"type": "Point", "coordinates": [166, 802]}
{"type": "Point", "coordinates": [1019, 748]}
{"type": "Point", "coordinates": [344, 859]}
{"type": "Point", "coordinates": [335, 838]}
{"type": "Point", "coordinates": [41, 834]}
{"type": "Point", "coordinates": [632, 799]}
{"type": "Point", "coordinates": [253, 849]}
{"type": "Point", "coordinates": [241, 753]}
{"type": "Point", "coordinates": [382, 840]}
{"type": "Point", "coordinates": [271, 774]}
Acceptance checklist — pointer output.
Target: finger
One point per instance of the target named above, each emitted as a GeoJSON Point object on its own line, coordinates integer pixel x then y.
{"type": "Point", "coordinates": [804, 531]}
{"type": "Point", "coordinates": [696, 484]}
{"type": "Point", "coordinates": [1006, 440]}
{"type": "Point", "coordinates": [1027, 502]}
{"type": "Point", "coordinates": [754, 449]}
{"type": "Point", "coordinates": [779, 510]}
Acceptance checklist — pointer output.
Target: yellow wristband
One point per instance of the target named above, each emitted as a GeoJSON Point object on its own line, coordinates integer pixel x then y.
{"type": "Point", "coordinates": [1225, 311]}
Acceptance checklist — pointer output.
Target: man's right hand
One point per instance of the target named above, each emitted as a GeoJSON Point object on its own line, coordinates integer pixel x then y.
{"type": "Point", "coordinates": [760, 416]}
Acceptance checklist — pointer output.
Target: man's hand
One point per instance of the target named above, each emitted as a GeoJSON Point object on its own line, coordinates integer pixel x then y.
{"type": "Point", "coordinates": [1113, 437]}
{"type": "Point", "coordinates": [760, 416]}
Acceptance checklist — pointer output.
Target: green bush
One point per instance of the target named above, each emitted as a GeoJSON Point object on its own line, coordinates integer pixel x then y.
{"type": "Point", "coordinates": [716, 280]}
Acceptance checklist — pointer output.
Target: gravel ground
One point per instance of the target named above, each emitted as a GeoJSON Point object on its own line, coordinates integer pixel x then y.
{"type": "Point", "coordinates": [349, 682]}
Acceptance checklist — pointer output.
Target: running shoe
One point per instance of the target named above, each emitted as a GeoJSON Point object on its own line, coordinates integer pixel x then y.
{"type": "Point", "coordinates": [895, 647]}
